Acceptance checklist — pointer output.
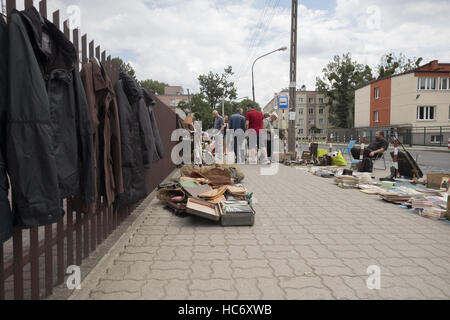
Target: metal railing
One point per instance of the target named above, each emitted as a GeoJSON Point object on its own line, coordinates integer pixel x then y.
{"type": "Point", "coordinates": [34, 261]}
{"type": "Point", "coordinates": [433, 136]}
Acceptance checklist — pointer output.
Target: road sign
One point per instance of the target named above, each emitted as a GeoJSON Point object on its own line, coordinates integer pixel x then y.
{"type": "Point", "coordinates": [283, 103]}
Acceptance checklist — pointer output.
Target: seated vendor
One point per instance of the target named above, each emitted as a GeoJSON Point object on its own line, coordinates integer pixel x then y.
{"type": "Point", "coordinates": [378, 147]}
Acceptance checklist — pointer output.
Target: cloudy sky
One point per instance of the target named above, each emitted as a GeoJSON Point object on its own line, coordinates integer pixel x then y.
{"type": "Point", "coordinates": [176, 40]}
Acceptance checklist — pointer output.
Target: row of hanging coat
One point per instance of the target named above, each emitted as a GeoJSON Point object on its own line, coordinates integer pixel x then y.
{"type": "Point", "coordinates": [66, 134]}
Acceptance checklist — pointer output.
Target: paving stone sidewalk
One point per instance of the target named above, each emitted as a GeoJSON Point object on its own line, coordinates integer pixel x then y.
{"type": "Point", "coordinates": [312, 240]}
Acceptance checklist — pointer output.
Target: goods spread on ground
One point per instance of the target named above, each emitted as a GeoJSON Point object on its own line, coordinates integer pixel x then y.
{"type": "Point", "coordinates": [426, 197]}
{"type": "Point", "coordinates": [211, 192]}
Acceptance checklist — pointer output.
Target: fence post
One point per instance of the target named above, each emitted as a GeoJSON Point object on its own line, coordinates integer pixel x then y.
{"type": "Point", "coordinates": [18, 264]}
{"type": "Point", "coordinates": [2, 274]}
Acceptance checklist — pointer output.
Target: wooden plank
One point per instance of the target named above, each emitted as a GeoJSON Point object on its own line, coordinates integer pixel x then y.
{"type": "Point", "coordinates": [48, 260]}
{"type": "Point", "coordinates": [99, 222]}
{"type": "Point", "coordinates": [78, 237]}
{"type": "Point", "coordinates": [66, 29]}
{"type": "Point", "coordinates": [10, 6]}
{"type": "Point", "coordinates": [69, 235]}
{"type": "Point", "coordinates": [103, 57]}
{"type": "Point", "coordinates": [34, 257]}
{"type": "Point", "coordinates": [2, 274]}
{"type": "Point", "coordinates": [28, 4]}
{"type": "Point", "coordinates": [76, 43]}
{"type": "Point", "coordinates": [18, 264]}
{"type": "Point", "coordinates": [97, 53]}
{"type": "Point", "coordinates": [84, 49]}
{"type": "Point", "coordinates": [43, 8]}
{"type": "Point", "coordinates": [56, 20]}
{"type": "Point", "coordinates": [86, 234]}
{"type": "Point", "coordinates": [108, 66]}
{"type": "Point", "coordinates": [93, 222]}
{"type": "Point", "coordinates": [91, 49]}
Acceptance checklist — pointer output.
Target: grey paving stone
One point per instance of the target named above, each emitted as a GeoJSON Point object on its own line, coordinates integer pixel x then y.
{"type": "Point", "coordinates": [302, 247]}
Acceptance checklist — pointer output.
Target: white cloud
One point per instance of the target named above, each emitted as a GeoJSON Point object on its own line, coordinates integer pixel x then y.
{"type": "Point", "coordinates": [175, 41]}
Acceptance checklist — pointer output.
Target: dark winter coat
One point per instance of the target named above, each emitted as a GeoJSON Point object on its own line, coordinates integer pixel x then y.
{"type": "Point", "coordinates": [158, 152]}
{"type": "Point", "coordinates": [49, 137]}
{"type": "Point", "coordinates": [5, 210]}
{"type": "Point", "coordinates": [135, 146]}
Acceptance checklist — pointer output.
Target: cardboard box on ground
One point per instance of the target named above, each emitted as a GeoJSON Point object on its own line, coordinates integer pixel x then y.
{"type": "Point", "coordinates": [210, 192]}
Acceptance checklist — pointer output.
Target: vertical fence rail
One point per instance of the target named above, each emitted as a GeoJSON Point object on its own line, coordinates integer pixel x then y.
{"type": "Point", "coordinates": [34, 257]}
{"type": "Point", "coordinates": [2, 274]}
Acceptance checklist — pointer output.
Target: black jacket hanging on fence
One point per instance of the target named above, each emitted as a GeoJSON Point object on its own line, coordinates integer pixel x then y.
{"type": "Point", "coordinates": [5, 211]}
{"type": "Point", "coordinates": [49, 140]}
{"type": "Point", "coordinates": [134, 144]}
{"type": "Point", "coordinates": [158, 152]}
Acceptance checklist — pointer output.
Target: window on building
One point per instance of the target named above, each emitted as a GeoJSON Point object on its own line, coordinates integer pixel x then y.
{"type": "Point", "coordinates": [300, 111]}
{"type": "Point", "coordinates": [427, 83]}
{"type": "Point", "coordinates": [311, 110]}
{"type": "Point", "coordinates": [311, 122]}
{"type": "Point", "coordinates": [377, 93]}
{"type": "Point", "coordinates": [321, 131]}
{"type": "Point", "coordinates": [445, 84]}
{"type": "Point", "coordinates": [301, 100]}
{"type": "Point", "coordinates": [173, 103]}
{"type": "Point", "coordinates": [311, 100]}
{"type": "Point", "coordinates": [321, 101]}
{"type": "Point", "coordinates": [321, 122]}
{"type": "Point", "coordinates": [376, 116]}
{"type": "Point", "coordinates": [301, 131]}
{"type": "Point", "coordinates": [426, 113]}
{"type": "Point", "coordinates": [437, 139]}
{"type": "Point", "coordinates": [321, 111]}
{"type": "Point", "coordinates": [301, 122]}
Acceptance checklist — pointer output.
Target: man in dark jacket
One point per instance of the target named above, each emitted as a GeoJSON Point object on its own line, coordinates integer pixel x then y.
{"type": "Point", "coordinates": [237, 122]}
{"type": "Point", "coordinates": [105, 123]}
{"type": "Point", "coordinates": [5, 210]}
{"type": "Point", "coordinates": [49, 139]}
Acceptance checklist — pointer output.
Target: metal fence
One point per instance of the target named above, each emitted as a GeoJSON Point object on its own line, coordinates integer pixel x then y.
{"type": "Point", "coordinates": [34, 261]}
{"type": "Point", "coordinates": [413, 136]}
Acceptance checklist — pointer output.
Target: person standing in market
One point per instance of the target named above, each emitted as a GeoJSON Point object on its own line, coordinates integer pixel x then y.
{"type": "Point", "coordinates": [254, 125]}
{"type": "Point", "coordinates": [237, 126]}
{"type": "Point", "coordinates": [219, 126]}
{"type": "Point", "coordinates": [269, 126]}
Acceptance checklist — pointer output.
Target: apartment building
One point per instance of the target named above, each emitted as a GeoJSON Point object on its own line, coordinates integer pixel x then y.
{"type": "Point", "coordinates": [311, 113]}
{"type": "Point", "coordinates": [418, 100]}
{"type": "Point", "coordinates": [173, 95]}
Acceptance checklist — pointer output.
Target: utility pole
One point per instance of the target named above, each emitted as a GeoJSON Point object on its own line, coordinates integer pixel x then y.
{"type": "Point", "coordinates": [293, 77]}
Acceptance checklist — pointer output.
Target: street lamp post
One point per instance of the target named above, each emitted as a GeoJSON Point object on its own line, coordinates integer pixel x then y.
{"type": "Point", "coordinates": [253, 68]}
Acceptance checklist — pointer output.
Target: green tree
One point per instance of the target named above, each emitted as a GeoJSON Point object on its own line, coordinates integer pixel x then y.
{"type": "Point", "coordinates": [391, 64]}
{"type": "Point", "coordinates": [126, 66]}
{"type": "Point", "coordinates": [217, 87]}
{"type": "Point", "coordinates": [154, 86]}
{"type": "Point", "coordinates": [340, 79]}
{"type": "Point", "coordinates": [200, 109]}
